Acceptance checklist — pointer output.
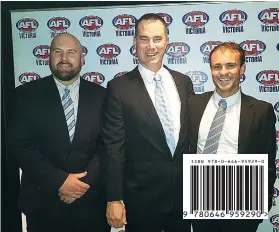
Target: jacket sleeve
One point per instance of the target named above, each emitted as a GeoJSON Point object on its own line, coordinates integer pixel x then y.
{"type": "Point", "coordinates": [268, 138]}
{"type": "Point", "coordinates": [113, 132]}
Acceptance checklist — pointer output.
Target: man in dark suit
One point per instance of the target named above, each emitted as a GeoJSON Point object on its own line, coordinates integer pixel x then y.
{"type": "Point", "coordinates": [248, 126]}
{"type": "Point", "coordinates": [53, 136]}
{"type": "Point", "coordinates": [144, 131]}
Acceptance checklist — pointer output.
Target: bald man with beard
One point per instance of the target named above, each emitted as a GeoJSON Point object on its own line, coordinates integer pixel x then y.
{"type": "Point", "coordinates": [60, 187]}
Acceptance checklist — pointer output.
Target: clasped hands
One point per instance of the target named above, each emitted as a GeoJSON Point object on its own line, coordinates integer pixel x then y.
{"type": "Point", "coordinates": [73, 188]}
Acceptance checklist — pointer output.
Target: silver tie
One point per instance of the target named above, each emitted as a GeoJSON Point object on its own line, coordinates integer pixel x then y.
{"type": "Point", "coordinates": [164, 112]}
{"type": "Point", "coordinates": [68, 107]}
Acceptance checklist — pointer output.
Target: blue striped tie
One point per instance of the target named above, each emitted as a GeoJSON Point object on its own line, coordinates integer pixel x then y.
{"type": "Point", "coordinates": [213, 137]}
{"type": "Point", "coordinates": [164, 112]}
{"type": "Point", "coordinates": [68, 107]}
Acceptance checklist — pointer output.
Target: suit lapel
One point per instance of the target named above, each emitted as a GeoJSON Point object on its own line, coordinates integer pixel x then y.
{"type": "Point", "coordinates": [246, 119]}
{"type": "Point", "coordinates": [81, 117]}
{"type": "Point", "coordinates": [196, 118]}
{"type": "Point", "coordinates": [138, 86]}
{"type": "Point", "coordinates": [180, 86]}
{"type": "Point", "coordinates": [53, 110]}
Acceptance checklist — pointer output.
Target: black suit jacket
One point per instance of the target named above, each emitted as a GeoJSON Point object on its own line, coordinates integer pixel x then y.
{"type": "Point", "coordinates": [139, 165]}
{"type": "Point", "coordinates": [39, 142]}
{"type": "Point", "coordinates": [256, 130]}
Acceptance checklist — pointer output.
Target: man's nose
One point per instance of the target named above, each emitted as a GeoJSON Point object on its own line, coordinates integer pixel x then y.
{"type": "Point", "coordinates": [64, 56]}
{"type": "Point", "coordinates": [151, 44]}
{"type": "Point", "coordinates": [223, 70]}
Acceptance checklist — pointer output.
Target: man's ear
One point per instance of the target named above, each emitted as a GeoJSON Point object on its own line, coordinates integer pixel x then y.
{"type": "Point", "coordinates": [242, 69]}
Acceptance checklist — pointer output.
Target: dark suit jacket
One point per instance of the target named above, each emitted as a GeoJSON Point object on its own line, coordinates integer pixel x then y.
{"type": "Point", "coordinates": [39, 142]}
{"type": "Point", "coordinates": [139, 165]}
{"type": "Point", "coordinates": [256, 130]}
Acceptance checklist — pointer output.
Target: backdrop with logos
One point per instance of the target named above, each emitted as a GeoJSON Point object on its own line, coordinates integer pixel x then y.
{"type": "Point", "coordinates": [194, 30]}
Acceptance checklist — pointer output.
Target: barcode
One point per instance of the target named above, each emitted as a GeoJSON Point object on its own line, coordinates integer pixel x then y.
{"type": "Point", "coordinates": [224, 188]}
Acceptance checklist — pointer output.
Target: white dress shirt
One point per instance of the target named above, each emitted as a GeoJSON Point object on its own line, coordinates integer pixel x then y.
{"type": "Point", "coordinates": [171, 92]}
{"type": "Point", "coordinates": [228, 143]}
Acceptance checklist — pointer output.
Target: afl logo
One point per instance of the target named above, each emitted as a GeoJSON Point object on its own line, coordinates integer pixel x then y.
{"type": "Point", "coordinates": [207, 47]}
{"type": "Point", "coordinates": [166, 17]}
{"type": "Point", "coordinates": [177, 49]}
{"type": "Point", "coordinates": [133, 51]}
{"type": "Point", "coordinates": [195, 19]}
{"type": "Point", "coordinates": [269, 16]}
{"type": "Point", "coordinates": [28, 77]}
{"type": "Point", "coordinates": [197, 77]}
{"type": "Point", "coordinates": [41, 51]}
{"type": "Point", "coordinates": [276, 192]}
{"type": "Point", "coordinates": [124, 22]}
{"type": "Point", "coordinates": [94, 77]}
{"type": "Point", "coordinates": [27, 25]}
{"type": "Point", "coordinates": [91, 23]}
{"type": "Point", "coordinates": [276, 107]}
{"type": "Point", "coordinates": [58, 24]}
{"type": "Point", "coordinates": [277, 165]}
{"type": "Point", "coordinates": [274, 220]}
{"type": "Point", "coordinates": [233, 17]}
{"type": "Point", "coordinates": [108, 51]}
{"type": "Point", "coordinates": [84, 50]}
{"type": "Point", "coordinates": [253, 47]}
{"type": "Point", "coordinates": [268, 77]}
{"type": "Point", "coordinates": [242, 78]}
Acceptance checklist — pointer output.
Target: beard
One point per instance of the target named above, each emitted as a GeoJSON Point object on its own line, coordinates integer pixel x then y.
{"type": "Point", "coordinates": [64, 75]}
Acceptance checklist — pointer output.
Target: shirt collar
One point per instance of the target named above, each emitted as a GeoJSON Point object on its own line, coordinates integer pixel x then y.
{"type": "Point", "coordinates": [148, 75]}
{"type": "Point", "coordinates": [71, 86]}
{"type": "Point", "coordinates": [231, 100]}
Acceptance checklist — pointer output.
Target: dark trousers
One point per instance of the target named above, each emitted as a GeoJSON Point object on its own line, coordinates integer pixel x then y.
{"type": "Point", "coordinates": [225, 225]}
{"type": "Point", "coordinates": [148, 221]}
{"type": "Point", "coordinates": [65, 223]}
{"type": "Point", "coordinates": [73, 218]}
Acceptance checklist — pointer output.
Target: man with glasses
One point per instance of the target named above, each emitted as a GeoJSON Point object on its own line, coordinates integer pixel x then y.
{"type": "Point", "coordinates": [244, 125]}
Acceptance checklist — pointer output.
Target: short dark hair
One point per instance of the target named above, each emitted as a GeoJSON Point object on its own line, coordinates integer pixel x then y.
{"type": "Point", "coordinates": [150, 17]}
{"type": "Point", "coordinates": [232, 46]}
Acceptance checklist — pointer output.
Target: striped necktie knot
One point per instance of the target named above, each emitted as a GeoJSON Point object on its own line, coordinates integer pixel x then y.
{"type": "Point", "coordinates": [223, 103]}
{"type": "Point", "coordinates": [66, 93]}
{"type": "Point", "coordinates": [157, 78]}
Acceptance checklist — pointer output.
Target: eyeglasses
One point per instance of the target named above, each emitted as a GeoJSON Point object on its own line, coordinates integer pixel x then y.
{"type": "Point", "coordinates": [229, 66]}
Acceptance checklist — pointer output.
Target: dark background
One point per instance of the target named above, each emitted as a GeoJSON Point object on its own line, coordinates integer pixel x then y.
{"type": "Point", "coordinates": [10, 216]}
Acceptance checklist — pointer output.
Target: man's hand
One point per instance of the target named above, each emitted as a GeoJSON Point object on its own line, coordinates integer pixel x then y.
{"type": "Point", "coordinates": [116, 214]}
{"type": "Point", "coordinates": [73, 187]}
{"type": "Point", "coordinates": [66, 199]}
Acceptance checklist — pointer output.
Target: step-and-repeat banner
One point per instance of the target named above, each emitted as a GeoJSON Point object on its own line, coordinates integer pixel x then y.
{"type": "Point", "coordinates": [106, 35]}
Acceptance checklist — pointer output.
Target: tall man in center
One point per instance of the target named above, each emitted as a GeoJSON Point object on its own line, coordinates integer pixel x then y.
{"type": "Point", "coordinates": [144, 130]}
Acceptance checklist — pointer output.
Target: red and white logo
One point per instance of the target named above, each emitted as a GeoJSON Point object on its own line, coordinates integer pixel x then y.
{"type": "Point", "coordinates": [41, 51]}
{"type": "Point", "coordinates": [58, 24]}
{"type": "Point", "coordinates": [28, 77]}
{"type": "Point", "coordinates": [27, 25]}
{"type": "Point", "coordinates": [108, 51]}
{"type": "Point", "coordinates": [91, 23]}
{"type": "Point", "coordinates": [94, 77]}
